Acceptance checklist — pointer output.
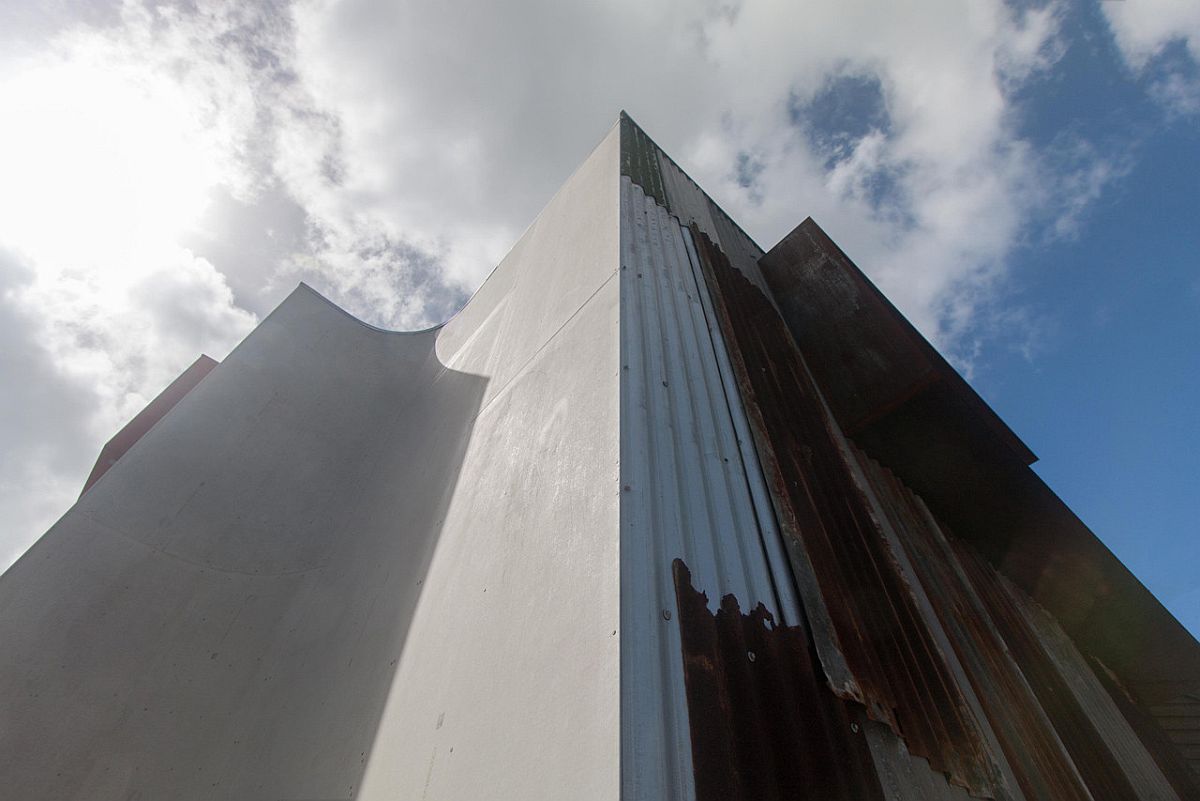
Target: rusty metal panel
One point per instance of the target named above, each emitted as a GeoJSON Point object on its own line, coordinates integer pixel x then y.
{"type": "Point", "coordinates": [904, 405]}
{"type": "Point", "coordinates": [764, 725]}
{"type": "Point", "coordinates": [903, 776]}
{"type": "Point", "coordinates": [687, 490]}
{"type": "Point", "coordinates": [867, 357]}
{"type": "Point", "coordinates": [1180, 719]}
{"type": "Point", "coordinates": [1123, 743]}
{"type": "Point", "coordinates": [881, 653]}
{"type": "Point", "coordinates": [1095, 762]}
{"type": "Point", "coordinates": [1033, 751]}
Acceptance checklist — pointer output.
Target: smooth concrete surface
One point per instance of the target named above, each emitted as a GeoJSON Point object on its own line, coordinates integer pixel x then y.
{"type": "Point", "coordinates": [351, 563]}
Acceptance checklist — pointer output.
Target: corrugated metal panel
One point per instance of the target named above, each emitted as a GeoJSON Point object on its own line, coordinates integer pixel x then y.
{"type": "Point", "coordinates": [1033, 751]}
{"type": "Point", "coordinates": [1087, 749]}
{"type": "Point", "coordinates": [639, 159]}
{"type": "Point", "coordinates": [881, 652]}
{"type": "Point", "coordinates": [1180, 719]}
{"type": "Point", "coordinates": [765, 726]}
{"type": "Point", "coordinates": [659, 176]}
{"type": "Point", "coordinates": [741, 250]}
{"type": "Point", "coordinates": [685, 491]}
{"type": "Point", "coordinates": [685, 199]}
{"type": "Point", "coordinates": [903, 776]}
{"type": "Point", "coordinates": [1153, 731]}
{"type": "Point", "coordinates": [1123, 743]}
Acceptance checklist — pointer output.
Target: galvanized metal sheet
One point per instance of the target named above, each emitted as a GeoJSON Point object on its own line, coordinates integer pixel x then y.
{"type": "Point", "coordinates": [686, 487]}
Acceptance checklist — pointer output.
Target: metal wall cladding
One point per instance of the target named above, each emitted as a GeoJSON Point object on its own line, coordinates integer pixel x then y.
{"type": "Point", "coordinates": [690, 490]}
{"type": "Point", "coordinates": [1087, 750]}
{"type": "Point", "coordinates": [881, 651]}
{"type": "Point", "coordinates": [765, 726]}
{"type": "Point", "coordinates": [1041, 767]}
{"type": "Point", "coordinates": [1180, 719]}
{"type": "Point", "coordinates": [858, 650]}
{"type": "Point", "coordinates": [1124, 746]}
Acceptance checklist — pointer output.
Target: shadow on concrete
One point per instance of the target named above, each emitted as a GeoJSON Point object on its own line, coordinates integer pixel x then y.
{"type": "Point", "coordinates": [223, 613]}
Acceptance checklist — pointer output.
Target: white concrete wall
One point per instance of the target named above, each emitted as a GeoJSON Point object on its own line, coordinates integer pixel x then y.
{"type": "Point", "coordinates": [351, 563]}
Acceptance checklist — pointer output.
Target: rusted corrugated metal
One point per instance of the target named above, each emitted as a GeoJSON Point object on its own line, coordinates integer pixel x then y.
{"type": "Point", "coordinates": [764, 725]}
{"type": "Point", "coordinates": [1123, 743]}
{"type": "Point", "coordinates": [904, 405]}
{"type": "Point", "coordinates": [892, 663]}
{"type": "Point", "coordinates": [1153, 732]}
{"type": "Point", "coordinates": [896, 619]}
{"type": "Point", "coordinates": [1093, 759]}
{"type": "Point", "coordinates": [687, 490]}
{"type": "Point", "coordinates": [1034, 753]}
{"type": "Point", "coordinates": [1180, 719]}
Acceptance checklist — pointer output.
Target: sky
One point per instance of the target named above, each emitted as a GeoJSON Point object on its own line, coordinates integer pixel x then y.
{"type": "Point", "coordinates": [1022, 179]}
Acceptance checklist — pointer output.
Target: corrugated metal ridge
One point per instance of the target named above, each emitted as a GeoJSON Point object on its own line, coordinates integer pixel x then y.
{"type": "Point", "coordinates": [764, 725]}
{"type": "Point", "coordinates": [639, 160]}
{"type": "Point", "coordinates": [688, 490]}
{"type": "Point", "coordinates": [636, 165]}
{"type": "Point", "coordinates": [1036, 756]}
{"type": "Point", "coordinates": [880, 650]}
{"type": "Point", "coordinates": [1087, 750]}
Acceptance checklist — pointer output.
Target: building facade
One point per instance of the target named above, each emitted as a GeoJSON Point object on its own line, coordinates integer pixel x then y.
{"type": "Point", "coordinates": [656, 515]}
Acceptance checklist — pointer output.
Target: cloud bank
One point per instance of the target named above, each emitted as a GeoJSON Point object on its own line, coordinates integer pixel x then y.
{"type": "Point", "coordinates": [175, 169]}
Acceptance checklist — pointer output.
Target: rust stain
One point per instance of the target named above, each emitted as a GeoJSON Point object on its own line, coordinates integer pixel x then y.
{"type": "Point", "coordinates": [1040, 765]}
{"type": "Point", "coordinates": [1100, 770]}
{"type": "Point", "coordinates": [897, 670]}
{"type": "Point", "coordinates": [764, 724]}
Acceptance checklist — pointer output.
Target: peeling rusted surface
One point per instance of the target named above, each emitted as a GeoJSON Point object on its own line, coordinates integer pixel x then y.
{"type": "Point", "coordinates": [895, 667]}
{"type": "Point", "coordinates": [764, 724]}
{"type": "Point", "coordinates": [1042, 768]}
{"type": "Point", "coordinates": [904, 405]}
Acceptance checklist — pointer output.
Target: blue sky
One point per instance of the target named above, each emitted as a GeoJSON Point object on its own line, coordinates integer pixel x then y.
{"type": "Point", "coordinates": [1107, 399]}
{"type": "Point", "coordinates": [1020, 178]}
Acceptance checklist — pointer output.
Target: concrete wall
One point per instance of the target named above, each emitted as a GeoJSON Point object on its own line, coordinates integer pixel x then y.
{"type": "Point", "coordinates": [351, 563]}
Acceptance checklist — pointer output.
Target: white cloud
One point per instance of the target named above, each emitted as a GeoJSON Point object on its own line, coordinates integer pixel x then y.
{"type": "Point", "coordinates": [1144, 30]}
{"type": "Point", "coordinates": [404, 146]}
